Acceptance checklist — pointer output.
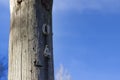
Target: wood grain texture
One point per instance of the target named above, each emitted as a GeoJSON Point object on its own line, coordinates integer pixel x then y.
{"type": "Point", "coordinates": [27, 41]}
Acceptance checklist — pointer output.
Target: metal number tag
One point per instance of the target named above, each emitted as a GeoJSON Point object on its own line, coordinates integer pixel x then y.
{"type": "Point", "coordinates": [46, 29]}
{"type": "Point", "coordinates": [46, 51]}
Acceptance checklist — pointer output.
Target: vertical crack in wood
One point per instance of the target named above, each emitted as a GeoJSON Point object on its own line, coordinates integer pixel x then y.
{"type": "Point", "coordinates": [27, 40]}
{"type": "Point", "coordinates": [46, 68]}
{"type": "Point", "coordinates": [21, 43]}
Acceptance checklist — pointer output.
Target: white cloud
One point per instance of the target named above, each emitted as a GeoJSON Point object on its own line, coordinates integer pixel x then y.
{"type": "Point", "coordinates": [62, 74]}
{"type": "Point", "coordinates": [83, 5]}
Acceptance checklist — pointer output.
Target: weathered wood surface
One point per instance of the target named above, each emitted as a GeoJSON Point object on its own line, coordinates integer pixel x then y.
{"type": "Point", "coordinates": [27, 41]}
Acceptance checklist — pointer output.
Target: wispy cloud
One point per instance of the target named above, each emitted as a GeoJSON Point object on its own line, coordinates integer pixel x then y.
{"type": "Point", "coordinates": [87, 5]}
{"type": "Point", "coordinates": [62, 74]}
{"type": "Point", "coordinates": [3, 68]}
{"type": "Point", "coordinates": [81, 5]}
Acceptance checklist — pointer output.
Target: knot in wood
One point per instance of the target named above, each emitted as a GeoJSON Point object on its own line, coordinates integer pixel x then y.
{"type": "Point", "coordinates": [19, 1]}
{"type": "Point", "coordinates": [37, 64]}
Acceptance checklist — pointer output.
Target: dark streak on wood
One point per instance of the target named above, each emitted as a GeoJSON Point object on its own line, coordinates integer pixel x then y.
{"type": "Point", "coordinates": [47, 4]}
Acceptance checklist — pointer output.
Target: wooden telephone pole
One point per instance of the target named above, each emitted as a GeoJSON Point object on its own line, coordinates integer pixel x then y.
{"type": "Point", "coordinates": [30, 43]}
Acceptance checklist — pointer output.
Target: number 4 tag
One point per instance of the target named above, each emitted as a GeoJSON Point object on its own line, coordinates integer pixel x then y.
{"type": "Point", "coordinates": [47, 51]}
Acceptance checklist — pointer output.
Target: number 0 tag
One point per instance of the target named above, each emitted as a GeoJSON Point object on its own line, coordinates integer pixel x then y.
{"type": "Point", "coordinates": [46, 29]}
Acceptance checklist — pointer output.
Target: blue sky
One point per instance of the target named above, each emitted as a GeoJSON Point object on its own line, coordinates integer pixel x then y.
{"type": "Point", "coordinates": [86, 38]}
